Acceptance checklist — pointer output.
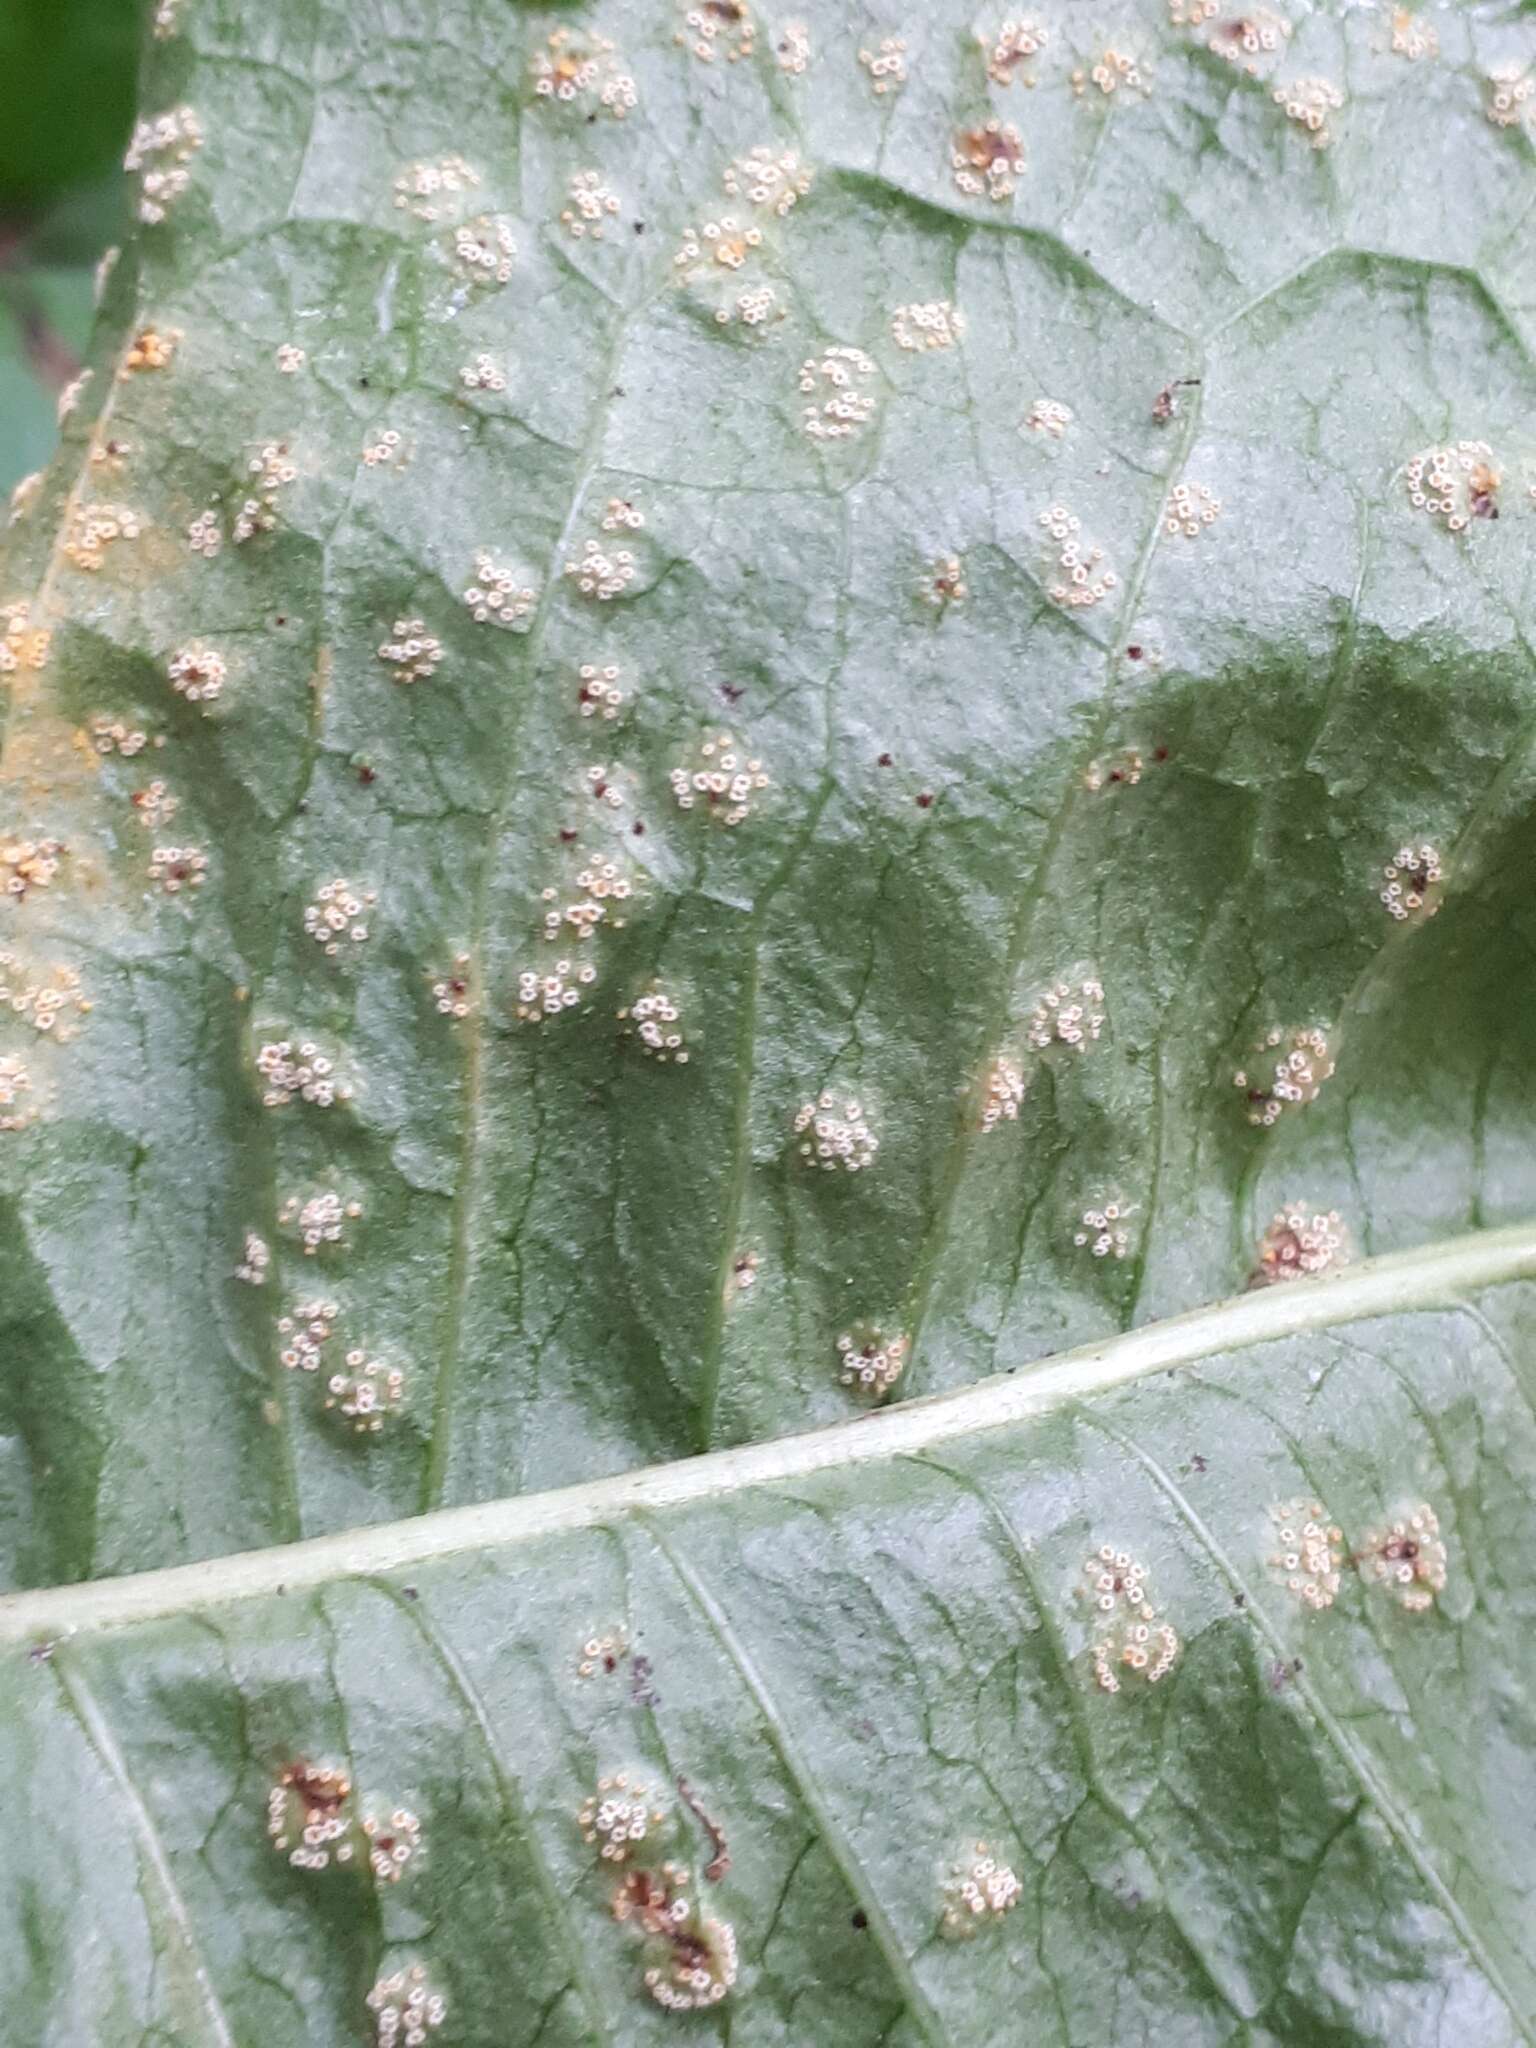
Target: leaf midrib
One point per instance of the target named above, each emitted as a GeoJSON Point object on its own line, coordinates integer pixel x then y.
{"type": "Point", "coordinates": [1426, 1277]}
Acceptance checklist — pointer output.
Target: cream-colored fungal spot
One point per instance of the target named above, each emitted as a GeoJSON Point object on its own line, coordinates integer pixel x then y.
{"type": "Point", "coordinates": [484, 249]}
{"type": "Point", "coordinates": [714, 28]}
{"type": "Point", "coordinates": [792, 51]}
{"type": "Point", "coordinates": [305, 1333]}
{"type": "Point", "coordinates": [1003, 1092]}
{"type": "Point", "coordinates": [386, 447]}
{"type": "Point", "coordinates": [204, 536]}
{"type": "Point", "coordinates": [24, 496]}
{"type": "Point", "coordinates": [318, 1220]}
{"type": "Point", "coordinates": [1299, 1243]}
{"type": "Point", "coordinates": [601, 573]}
{"type": "Point", "coordinates": [111, 455]}
{"type": "Point", "coordinates": [289, 1069]}
{"type": "Point", "coordinates": [255, 1260]}
{"type": "Point", "coordinates": [979, 1890]}
{"type": "Point", "coordinates": [932, 323]}
{"type": "Point", "coordinates": [1103, 1230]}
{"type": "Point", "coordinates": [742, 1277]}
{"type": "Point", "coordinates": [1080, 577]}
{"type": "Point", "coordinates": [1299, 1063]}
{"type": "Point", "coordinates": [943, 582]}
{"type": "Point", "coordinates": [414, 653]}
{"type": "Point", "coordinates": [112, 736]}
{"type": "Point", "coordinates": [655, 1021]}
{"type": "Point", "coordinates": [92, 529]}
{"type": "Point", "coordinates": [988, 161]}
{"type": "Point", "coordinates": [1192, 13]}
{"type": "Point", "coordinates": [544, 992]}
{"type": "Point", "coordinates": [290, 358]}
{"type": "Point", "coordinates": [432, 187]}
{"type": "Point", "coordinates": [15, 1084]}
{"type": "Point", "coordinates": [1047, 416]}
{"type": "Point", "coordinates": [49, 1003]}
{"type": "Point", "coordinates": [834, 1134]}
{"type": "Point", "coordinates": [724, 245]}
{"type": "Point", "coordinates": [700, 1965]}
{"type": "Point", "coordinates": [1510, 95]}
{"type": "Point", "coordinates": [177, 868]}
{"type": "Point", "coordinates": [405, 2008]}
{"type": "Point", "coordinates": [197, 673]}
{"type": "Point", "coordinates": [498, 596]}
{"type": "Point", "coordinates": [69, 398]}
{"type": "Point", "coordinates": [22, 645]}
{"type": "Point", "coordinates": [167, 19]}
{"type": "Point", "coordinates": [1011, 52]}
{"type": "Point", "coordinates": [603, 885]}
{"type": "Point", "coordinates": [1412, 878]}
{"type": "Point", "coordinates": [451, 991]}
{"type": "Point", "coordinates": [591, 205]}
{"type": "Point", "coordinates": [1111, 770]}
{"type": "Point", "coordinates": [581, 70]}
{"type": "Point", "coordinates": [602, 1653]}
{"type": "Point", "coordinates": [1253, 41]}
{"type": "Point", "coordinates": [619, 1816]}
{"type": "Point", "coordinates": [605, 785]}
{"type": "Point", "coordinates": [1454, 484]}
{"type": "Point", "coordinates": [393, 1840]}
{"type": "Point", "coordinates": [870, 1360]}
{"type": "Point", "coordinates": [1408, 1558]}
{"type": "Point", "coordinates": [483, 374]}
{"type": "Point", "coordinates": [273, 470]}
{"type": "Point", "coordinates": [597, 690]}
{"type": "Point", "coordinates": [1114, 71]}
{"type": "Point", "coordinates": [155, 805]}
{"type": "Point", "coordinates": [720, 779]}
{"type": "Point", "coordinates": [620, 515]}
{"type": "Point", "coordinates": [27, 864]}
{"type": "Point", "coordinates": [1130, 1637]}
{"type": "Point", "coordinates": [159, 151]}
{"type": "Point", "coordinates": [1412, 36]}
{"type": "Point", "coordinates": [774, 180]}
{"type": "Point", "coordinates": [338, 916]}
{"type": "Point", "coordinates": [1069, 1013]}
{"type": "Point", "coordinates": [366, 1394]}
{"type": "Point", "coordinates": [723, 242]}
{"type": "Point", "coordinates": [1190, 508]}
{"type": "Point", "coordinates": [152, 348]}
{"type": "Point", "coordinates": [309, 1816]}
{"type": "Point", "coordinates": [837, 384]}
{"type": "Point", "coordinates": [1310, 102]}
{"type": "Point", "coordinates": [1309, 1559]}
{"type": "Point", "coordinates": [885, 66]}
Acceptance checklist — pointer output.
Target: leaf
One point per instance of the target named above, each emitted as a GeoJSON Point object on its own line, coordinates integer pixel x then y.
{"type": "Point", "coordinates": [863, 1651]}
{"type": "Point", "coordinates": [1107, 865]}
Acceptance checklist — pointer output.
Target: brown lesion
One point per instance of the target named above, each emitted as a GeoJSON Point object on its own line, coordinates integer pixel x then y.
{"type": "Point", "coordinates": [720, 1858]}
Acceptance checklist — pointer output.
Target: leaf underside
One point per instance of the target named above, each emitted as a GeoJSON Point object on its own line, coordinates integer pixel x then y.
{"type": "Point", "coordinates": [1315, 1829]}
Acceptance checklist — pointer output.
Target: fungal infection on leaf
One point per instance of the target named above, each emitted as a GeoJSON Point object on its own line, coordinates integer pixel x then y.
{"type": "Point", "coordinates": [1299, 1064]}
{"type": "Point", "coordinates": [870, 1361]}
{"type": "Point", "coordinates": [1310, 1558]}
{"type": "Point", "coordinates": [1130, 1636]}
{"type": "Point", "coordinates": [833, 1134]}
{"type": "Point", "coordinates": [405, 2008]}
{"type": "Point", "coordinates": [979, 1891]}
{"type": "Point", "coordinates": [1412, 879]}
{"type": "Point", "coordinates": [1407, 1557]}
{"type": "Point", "coordinates": [1300, 1243]}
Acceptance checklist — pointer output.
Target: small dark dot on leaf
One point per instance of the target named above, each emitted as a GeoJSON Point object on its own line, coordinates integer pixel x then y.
{"type": "Point", "coordinates": [409, 1592]}
{"type": "Point", "coordinates": [566, 835]}
{"type": "Point", "coordinates": [731, 692]}
{"type": "Point", "coordinates": [1159, 753]}
{"type": "Point", "coordinates": [365, 774]}
{"type": "Point", "coordinates": [281, 619]}
{"type": "Point", "coordinates": [1241, 1599]}
{"type": "Point", "coordinates": [639, 227]}
{"type": "Point", "coordinates": [1134, 653]}
{"type": "Point", "coordinates": [617, 391]}
{"type": "Point", "coordinates": [638, 827]}
{"type": "Point", "coordinates": [362, 384]}
{"type": "Point", "coordinates": [924, 800]}
{"type": "Point", "coordinates": [858, 1918]}
{"type": "Point", "coordinates": [885, 761]}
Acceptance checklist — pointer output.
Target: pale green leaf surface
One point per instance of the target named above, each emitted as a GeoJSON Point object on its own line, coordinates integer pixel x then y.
{"type": "Point", "coordinates": [865, 1646]}
{"type": "Point", "coordinates": [864, 1651]}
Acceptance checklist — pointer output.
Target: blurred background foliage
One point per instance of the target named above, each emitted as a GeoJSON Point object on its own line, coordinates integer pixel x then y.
{"type": "Point", "coordinates": [69, 68]}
